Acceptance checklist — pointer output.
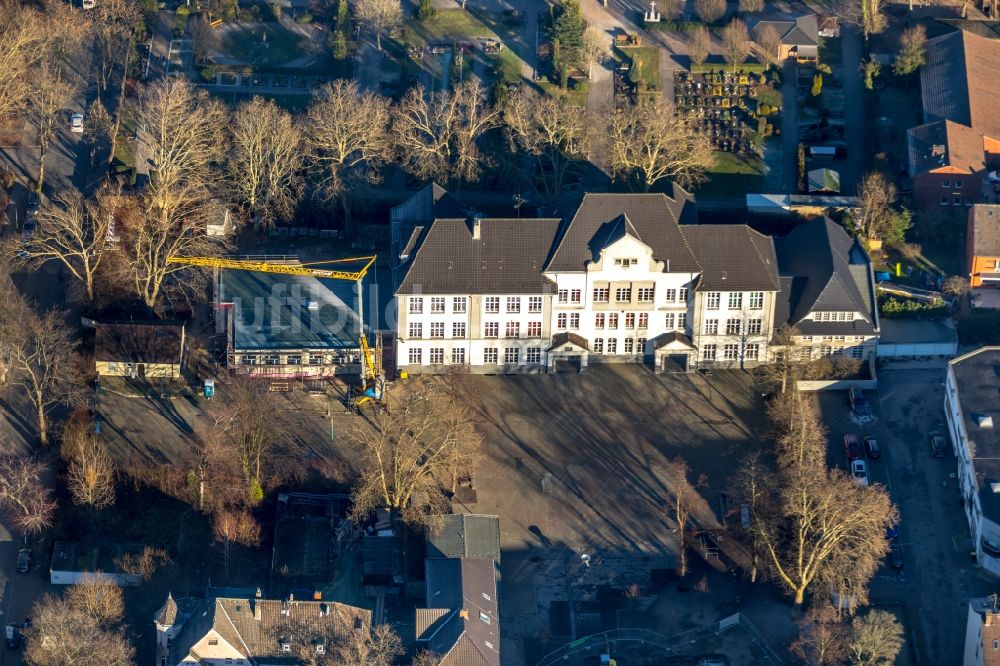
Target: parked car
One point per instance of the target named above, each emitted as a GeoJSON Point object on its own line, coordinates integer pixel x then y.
{"type": "Point", "coordinates": [871, 447]}
{"type": "Point", "coordinates": [24, 560]}
{"type": "Point", "coordinates": [852, 447]}
{"type": "Point", "coordinates": [859, 405]}
{"type": "Point", "coordinates": [12, 637]}
{"type": "Point", "coordinates": [939, 446]}
{"type": "Point", "coordinates": [896, 555]}
{"type": "Point", "coordinates": [859, 471]}
{"type": "Point", "coordinates": [76, 123]}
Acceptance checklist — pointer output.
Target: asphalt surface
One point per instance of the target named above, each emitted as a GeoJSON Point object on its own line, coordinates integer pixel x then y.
{"type": "Point", "coordinates": [932, 590]}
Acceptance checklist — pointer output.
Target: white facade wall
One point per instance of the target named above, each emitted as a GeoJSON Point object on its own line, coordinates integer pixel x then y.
{"type": "Point", "coordinates": [982, 529]}
{"type": "Point", "coordinates": [752, 314]}
{"type": "Point", "coordinates": [625, 265]}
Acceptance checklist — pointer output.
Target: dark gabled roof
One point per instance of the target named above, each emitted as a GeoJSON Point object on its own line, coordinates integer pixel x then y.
{"type": "Point", "coordinates": [985, 230]}
{"type": "Point", "coordinates": [733, 257]}
{"type": "Point", "coordinates": [560, 339]}
{"type": "Point", "coordinates": [825, 270]}
{"type": "Point", "coordinates": [665, 339]}
{"type": "Point", "coordinates": [652, 218]}
{"type": "Point", "coordinates": [794, 30]}
{"type": "Point", "coordinates": [464, 535]}
{"type": "Point", "coordinates": [470, 634]}
{"type": "Point", "coordinates": [824, 180]}
{"type": "Point", "coordinates": [506, 259]}
{"type": "Point", "coordinates": [168, 611]}
{"type": "Point", "coordinates": [431, 202]}
{"type": "Point", "coordinates": [139, 343]}
{"type": "Point", "coordinates": [957, 81]}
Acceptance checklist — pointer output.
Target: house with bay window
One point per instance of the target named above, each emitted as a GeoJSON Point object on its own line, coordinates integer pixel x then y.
{"type": "Point", "coordinates": [628, 278]}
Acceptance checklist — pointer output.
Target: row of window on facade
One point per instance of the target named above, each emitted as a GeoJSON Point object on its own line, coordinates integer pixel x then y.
{"type": "Point", "coordinates": [713, 300]}
{"type": "Point", "coordinates": [491, 355]}
{"type": "Point", "coordinates": [731, 352]}
{"type": "Point", "coordinates": [296, 359]}
{"type": "Point", "coordinates": [955, 201]}
{"type": "Point", "coordinates": [564, 321]}
{"type": "Point", "coordinates": [735, 326]}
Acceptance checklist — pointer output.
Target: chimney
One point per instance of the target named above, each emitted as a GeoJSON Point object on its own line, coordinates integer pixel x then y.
{"type": "Point", "coordinates": [476, 222]}
{"type": "Point", "coordinates": [259, 593]}
{"type": "Point", "coordinates": [256, 610]}
{"type": "Point", "coordinates": [464, 614]}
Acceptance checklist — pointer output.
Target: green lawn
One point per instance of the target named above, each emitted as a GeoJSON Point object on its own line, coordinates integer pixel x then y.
{"type": "Point", "coordinates": [249, 46]}
{"type": "Point", "coordinates": [649, 57]}
{"type": "Point", "coordinates": [731, 178]}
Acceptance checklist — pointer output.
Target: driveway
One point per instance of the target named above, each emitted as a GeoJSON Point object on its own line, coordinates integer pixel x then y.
{"type": "Point", "coordinates": [790, 126]}
{"type": "Point", "coordinates": [854, 110]}
{"type": "Point", "coordinates": [933, 589]}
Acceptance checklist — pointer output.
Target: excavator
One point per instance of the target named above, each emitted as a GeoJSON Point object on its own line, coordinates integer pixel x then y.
{"type": "Point", "coordinates": [372, 379]}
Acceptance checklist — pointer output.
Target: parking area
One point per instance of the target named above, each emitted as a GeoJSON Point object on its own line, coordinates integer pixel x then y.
{"type": "Point", "coordinates": [932, 589]}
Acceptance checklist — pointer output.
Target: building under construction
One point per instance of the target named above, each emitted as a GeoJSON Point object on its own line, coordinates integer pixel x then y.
{"type": "Point", "coordinates": [290, 326]}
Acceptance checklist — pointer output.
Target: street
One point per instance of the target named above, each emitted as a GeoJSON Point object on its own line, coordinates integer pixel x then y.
{"type": "Point", "coordinates": [938, 578]}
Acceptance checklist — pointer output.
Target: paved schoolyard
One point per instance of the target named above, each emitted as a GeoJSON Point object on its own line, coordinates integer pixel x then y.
{"type": "Point", "coordinates": [574, 465]}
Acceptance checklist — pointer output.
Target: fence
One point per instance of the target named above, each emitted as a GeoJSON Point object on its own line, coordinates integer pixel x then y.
{"type": "Point", "coordinates": [667, 644]}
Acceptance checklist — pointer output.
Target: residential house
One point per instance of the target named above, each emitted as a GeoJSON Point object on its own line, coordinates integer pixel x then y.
{"type": "Point", "coordinates": [971, 410]}
{"type": "Point", "coordinates": [461, 619]}
{"type": "Point", "coordinates": [982, 243]}
{"type": "Point", "coordinates": [959, 139]}
{"type": "Point", "coordinates": [827, 291]}
{"type": "Point", "coordinates": [628, 278]}
{"type": "Point", "coordinates": [982, 633]}
{"type": "Point", "coordinates": [143, 350]}
{"type": "Point", "coordinates": [252, 631]}
{"type": "Point", "coordinates": [798, 33]}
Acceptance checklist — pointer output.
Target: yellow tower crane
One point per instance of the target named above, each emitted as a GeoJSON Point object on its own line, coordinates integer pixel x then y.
{"type": "Point", "coordinates": [370, 369]}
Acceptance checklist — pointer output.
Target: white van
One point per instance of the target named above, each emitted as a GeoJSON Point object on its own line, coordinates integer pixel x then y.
{"type": "Point", "coordinates": [89, 4]}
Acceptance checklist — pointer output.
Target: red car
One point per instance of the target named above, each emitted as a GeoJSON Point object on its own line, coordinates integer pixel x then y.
{"type": "Point", "coordinates": [852, 447]}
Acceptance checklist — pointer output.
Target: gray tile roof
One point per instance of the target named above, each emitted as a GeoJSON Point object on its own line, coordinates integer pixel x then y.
{"type": "Point", "coordinates": [733, 256]}
{"type": "Point", "coordinates": [957, 81]}
{"type": "Point", "coordinates": [985, 230]}
{"type": "Point", "coordinates": [464, 535]}
{"type": "Point", "coordinates": [253, 627]}
{"type": "Point", "coordinates": [470, 634]}
{"type": "Point", "coordinates": [825, 270]}
{"type": "Point", "coordinates": [159, 342]}
{"type": "Point", "coordinates": [507, 258]}
{"type": "Point", "coordinates": [653, 218]}
{"type": "Point", "coordinates": [794, 30]}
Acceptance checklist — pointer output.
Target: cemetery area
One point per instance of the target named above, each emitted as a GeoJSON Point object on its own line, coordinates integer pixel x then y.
{"type": "Point", "coordinates": [451, 45]}
{"type": "Point", "coordinates": [638, 70]}
{"type": "Point", "coordinates": [738, 109]}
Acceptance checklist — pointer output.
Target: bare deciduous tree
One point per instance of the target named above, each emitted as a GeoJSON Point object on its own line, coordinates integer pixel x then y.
{"type": "Point", "coordinates": [251, 427]}
{"type": "Point", "coordinates": [868, 15]}
{"type": "Point", "coordinates": [682, 496]}
{"type": "Point", "coordinates": [91, 470]}
{"type": "Point", "coordinates": [437, 133]}
{"type": "Point", "coordinates": [710, 11]}
{"type": "Point", "coordinates": [41, 353]}
{"type": "Point", "coordinates": [701, 44]}
{"type": "Point", "coordinates": [736, 42]}
{"type": "Point", "coordinates": [72, 231]}
{"type": "Point", "coordinates": [417, 450]}
{"type": "Point", "coordinates": [956, 285]}
{"type": "Point", "coordinates": [51, 94]}
{"type": "Point", "coordinates": [817, 519]}
{"type": "Point", "coordinates": [649, 143]}
{"type": "Point", "coordinates": [595, 47]}
{"type": "Point", "coordinates": [235, 528]}
{"type": "Point", "coordinates": [99, 599]}
{"type": "Point", "coordinates": [381, 647]}
{"type": "Point", "coordinates": [265, 162]}
{"type": "Point", "coordinates": [751, 5]}
{"type": "Point", "coordinates": [145, 563]}
{"type": "Point", "coordinates": [768, 43]}
{"type": "Point", "coordinates": [822, 639]}
{"type": "Point", "coordinates": [425, 658]}
{"type": "Point", "coordinates": [114, 24]}
{"type": "Point", "coordinates": [182, 129]}
{"type": "Point", "coordinates": [23, 496]}
{"type": "Point", "coordinates": [874, 218]}
{"type": "Point", "coordinates": [553, 131]}
{"type": "Point", "coordinates": [876, 639]}
{"type": "Point", "coordinates": [75, 632]}
{"type": "Point", "coordinates": [349, 139]}
{"type": "Point", "coordinates": [380, 16]}
{"type": "Point", "coordinates": [21, 46]}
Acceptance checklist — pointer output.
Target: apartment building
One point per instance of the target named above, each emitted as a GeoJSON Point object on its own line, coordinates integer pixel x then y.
{"type": "Point", "coordinates": [628, 278]}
